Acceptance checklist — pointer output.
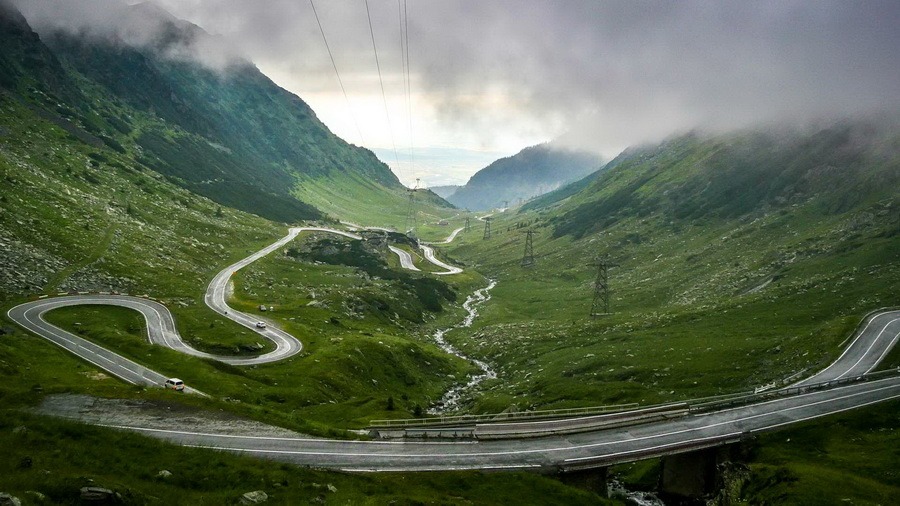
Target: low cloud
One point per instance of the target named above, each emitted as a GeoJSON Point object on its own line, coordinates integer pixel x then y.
{"type": "Point", "coordinates": [606, 74]}
{"type": "Point", "coordinates": [143, 25]}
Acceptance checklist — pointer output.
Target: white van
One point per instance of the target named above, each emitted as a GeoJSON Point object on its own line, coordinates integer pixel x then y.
{"type": "Point", "coordinates": [260, 325]}
{"type": "Point", "coordinates": [174, 384]}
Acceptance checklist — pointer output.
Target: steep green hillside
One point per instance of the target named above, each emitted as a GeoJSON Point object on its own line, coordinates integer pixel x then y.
{"type": "Point", "coordinates": [741, 260]}
{"type": "Point", "coordinates": [689, 179]}
{"type": "Point", "coordinates": [78, 218]}
{"type": "Point", "coordinates": [226, 132]}
{"type": "Point", "coordinates": [531, 172]}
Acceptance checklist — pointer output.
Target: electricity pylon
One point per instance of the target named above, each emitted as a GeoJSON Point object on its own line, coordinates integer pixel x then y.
{"type": "Point", "coordinates": [600, 304]}
{"type": "Point", "coordinates": [528, 257]}
{"type": "Point", "coordinates": [467, 227]}
{"type": "Point", "coordinates": [487, 228]}
{"type": "Point", "coordinates": [411, 211]}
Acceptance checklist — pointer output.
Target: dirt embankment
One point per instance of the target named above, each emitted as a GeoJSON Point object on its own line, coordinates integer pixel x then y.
{"type": "Point", "coordinates": [153, 414]}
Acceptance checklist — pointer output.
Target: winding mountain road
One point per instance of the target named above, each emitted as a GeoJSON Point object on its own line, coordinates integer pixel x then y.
{"type": "Point", "coordinates": [161, 328]}
{"type": "Point", "coordinates": [878, 334]}
{"type": "Point", "coordinates": [286, 345]}
{"type": "Point", "coordinates": [450, 237]}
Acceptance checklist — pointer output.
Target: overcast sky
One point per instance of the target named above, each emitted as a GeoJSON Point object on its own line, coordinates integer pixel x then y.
{"type": "Point", "coordinates": [499, 75]}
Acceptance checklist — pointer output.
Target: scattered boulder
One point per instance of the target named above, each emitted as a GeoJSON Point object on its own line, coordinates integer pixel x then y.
{"type": "Point", "coordinates": [9, 500]}
{"type": "Point", "coordinates": [252, 347]}
{"type": "Point", "coordinates": [25, 463]}
{"type": "Point", "coordinates": [21, 429]}
{"type": "Point", "coordinates": [255, 497]}
{"type": "Point", "coordinates": [331, 488]}
{"type": "Point", "coordinates": [164, 474]}
{"type": "Point", "coordinates": [97, 495]}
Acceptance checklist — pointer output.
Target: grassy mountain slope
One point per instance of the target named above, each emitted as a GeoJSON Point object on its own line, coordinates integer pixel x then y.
{"type": "Point", "coordinates": [742, 260]}
{"type": "Point", "coordinates": [531, 172]}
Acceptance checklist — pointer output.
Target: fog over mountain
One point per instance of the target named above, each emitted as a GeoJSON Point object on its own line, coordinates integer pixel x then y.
{"type": "Point", "coordinates": [505, 74]}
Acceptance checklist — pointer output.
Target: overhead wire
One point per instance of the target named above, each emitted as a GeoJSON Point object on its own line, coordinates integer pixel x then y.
{"type": "Point", "coordinates": [404, 57]}
{"type": "Point", "coordinates": [338, 74]}
{"type": "Point", "coordinates": [383, 94]}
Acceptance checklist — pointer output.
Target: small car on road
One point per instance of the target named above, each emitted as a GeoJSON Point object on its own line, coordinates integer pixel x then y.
{"type": "Point", "coordinates": [260, 325]}
{"type": "Point", "coordinates": [174, 384]}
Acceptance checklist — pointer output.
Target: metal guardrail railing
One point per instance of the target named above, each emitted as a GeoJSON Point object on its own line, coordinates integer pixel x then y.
{"type": "Point", "coordinates": [500, 417]}
{"type": "Point", "coordinates": [693, 406]}
{"type": "Point", "coordinates": [751, 397]}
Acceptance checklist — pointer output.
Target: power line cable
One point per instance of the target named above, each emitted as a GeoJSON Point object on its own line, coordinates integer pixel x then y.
{"type": "Point", "coordinates": [404, 33]}
{"type": "Point", "coordinates": [383, 94]}
{"type": "Point", "coordinates": [338, 74]}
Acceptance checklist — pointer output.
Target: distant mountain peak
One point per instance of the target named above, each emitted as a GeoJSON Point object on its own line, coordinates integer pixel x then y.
{"type": "Point", "coordinates": [529, 173]}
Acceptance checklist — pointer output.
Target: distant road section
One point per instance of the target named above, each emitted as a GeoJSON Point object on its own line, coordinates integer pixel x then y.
{"type": "Point", "coordinates": [161, 325]}
{"type": "Point", "coordinates": [406, 260]}
{"type": "Point", "coordinates": [450, 237]}
{"type": "Point", "coordinates": [429, 255]}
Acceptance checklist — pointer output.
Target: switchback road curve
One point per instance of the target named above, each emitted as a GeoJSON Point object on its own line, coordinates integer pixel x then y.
{"type": "Point", "coordinates": [161, 328]}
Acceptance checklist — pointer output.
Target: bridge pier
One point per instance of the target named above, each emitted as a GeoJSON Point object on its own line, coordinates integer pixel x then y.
{"type": "Point", "coordinates": [689, 475]}
{"type": "Point", "coordinates": [686, 478]}
{"type": "Point", "coordinates": [592, 480]}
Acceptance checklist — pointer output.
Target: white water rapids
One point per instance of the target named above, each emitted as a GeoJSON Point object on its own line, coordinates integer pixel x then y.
{"type": "Point", "coordinates": [450, 400]}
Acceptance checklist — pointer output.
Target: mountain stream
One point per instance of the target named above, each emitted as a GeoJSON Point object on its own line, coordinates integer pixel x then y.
{"type": "Point", "coordinates": [450, 400]}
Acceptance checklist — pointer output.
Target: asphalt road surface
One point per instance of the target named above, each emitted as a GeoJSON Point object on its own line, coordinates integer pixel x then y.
{"type": "Point", "coordinates": [286, 345]}
{"type": "Point", "coordinates": [574, 451]}
{"type": "Point", "coordinates": [880, 332]}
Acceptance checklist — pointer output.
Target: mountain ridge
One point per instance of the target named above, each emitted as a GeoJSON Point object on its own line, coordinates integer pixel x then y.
{"type": "Point", "coordinates": [230, 134]}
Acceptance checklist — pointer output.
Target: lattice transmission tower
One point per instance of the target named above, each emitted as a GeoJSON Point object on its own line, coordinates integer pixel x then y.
{"type": "Point", "coordinates": [528, 257]}
{"type": "Point", "coordinates": [412, 211]}
{"type": "Point", "coordinates": [487, 228]}
{"type": "Point", "coordinates": [600, 304]}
